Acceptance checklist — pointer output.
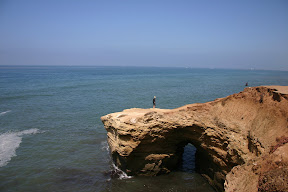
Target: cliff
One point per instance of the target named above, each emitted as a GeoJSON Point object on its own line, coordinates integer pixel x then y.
{"type": "Point", "coordinates": [241, 139]}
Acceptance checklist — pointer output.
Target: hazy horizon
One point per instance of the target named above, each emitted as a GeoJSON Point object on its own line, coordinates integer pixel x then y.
{"type": "Point", "coordinates": [195, 34]}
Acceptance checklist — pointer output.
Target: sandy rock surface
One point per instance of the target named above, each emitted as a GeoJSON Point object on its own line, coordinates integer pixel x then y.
{"type": "Point", "coordinates": [241, 139]}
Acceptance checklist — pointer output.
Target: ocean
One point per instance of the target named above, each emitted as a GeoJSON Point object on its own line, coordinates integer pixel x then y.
{"type": "Point", "coordinates": [52, 138]}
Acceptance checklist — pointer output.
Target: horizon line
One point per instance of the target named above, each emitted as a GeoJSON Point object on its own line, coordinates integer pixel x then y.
{"type": "Point", "coordinates": [141, 66]}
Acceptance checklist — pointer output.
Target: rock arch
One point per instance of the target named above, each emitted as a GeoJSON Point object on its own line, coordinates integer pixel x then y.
{"type": "Point", "coordinates": [227, 132]}
{"type": "Point", "coordinates": [188, 164]}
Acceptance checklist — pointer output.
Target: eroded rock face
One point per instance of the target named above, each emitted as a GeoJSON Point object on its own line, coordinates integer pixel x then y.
{"type": "Point", "coordinates": [234, 137]}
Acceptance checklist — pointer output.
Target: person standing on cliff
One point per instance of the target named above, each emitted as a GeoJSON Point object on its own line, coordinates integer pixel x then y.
{"type": "Point", "coordinates": [154, 102]}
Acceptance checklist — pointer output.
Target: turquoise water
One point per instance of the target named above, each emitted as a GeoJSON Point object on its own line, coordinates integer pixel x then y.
{"type": "Point", "coordinates": [51, 135]}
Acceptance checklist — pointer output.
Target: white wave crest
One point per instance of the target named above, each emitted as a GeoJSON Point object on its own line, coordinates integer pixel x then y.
{"type": "Point", "coordinates": [3, 113]}
{"type": "Point", "coordinates": [115, 172]}
{"type": "Point", "coordinates": [28, 132]}
{"type": "Point", "coordinates": [9, 142]}
{"type": "Point", "coordinates": [121, 174]}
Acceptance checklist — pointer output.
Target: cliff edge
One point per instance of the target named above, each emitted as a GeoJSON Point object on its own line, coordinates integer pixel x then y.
{"type": "Point", "coordinates": [241, 140]}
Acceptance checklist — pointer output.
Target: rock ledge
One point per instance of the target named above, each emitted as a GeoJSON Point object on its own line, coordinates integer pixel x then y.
{"type": "Point", "coordinates": [241, 139]}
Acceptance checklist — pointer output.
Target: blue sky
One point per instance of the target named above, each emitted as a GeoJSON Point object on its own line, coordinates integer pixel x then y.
{"type": "Point", "coordinates": [186, 33]}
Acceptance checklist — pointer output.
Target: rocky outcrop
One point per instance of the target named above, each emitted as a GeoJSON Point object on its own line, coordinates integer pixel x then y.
{"type": "Point", "coordinates": [241, 140]}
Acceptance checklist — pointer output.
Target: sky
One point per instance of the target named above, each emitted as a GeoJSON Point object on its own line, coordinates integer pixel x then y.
{"type": "Point", "coordinates": [237, 34]}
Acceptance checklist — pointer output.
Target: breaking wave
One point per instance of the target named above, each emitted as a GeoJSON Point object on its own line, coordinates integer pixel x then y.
{"type": "Point", "coordinates": [118, 173]}
{"type": "Point", "coordinates": [115, 172]}
{"type": "Point", "coordinates": [9, 142]}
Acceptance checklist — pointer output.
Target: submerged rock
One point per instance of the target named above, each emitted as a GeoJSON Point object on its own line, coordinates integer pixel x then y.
{"type": "Point", "coordinates": [237, 139]}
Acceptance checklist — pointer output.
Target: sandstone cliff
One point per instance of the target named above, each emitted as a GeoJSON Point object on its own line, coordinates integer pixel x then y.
{"type": "Point", "coordinates": [241, 140]}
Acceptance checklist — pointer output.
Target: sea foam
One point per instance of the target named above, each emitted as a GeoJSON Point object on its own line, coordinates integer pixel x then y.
{"type": "Point", "coordinates": [9, 142]}
{"type": "Point", "coordinates": [105, 146]}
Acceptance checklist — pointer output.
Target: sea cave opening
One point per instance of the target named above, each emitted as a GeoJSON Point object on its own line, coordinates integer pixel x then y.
{"type": "Point", "coordinates": [188, 158]}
